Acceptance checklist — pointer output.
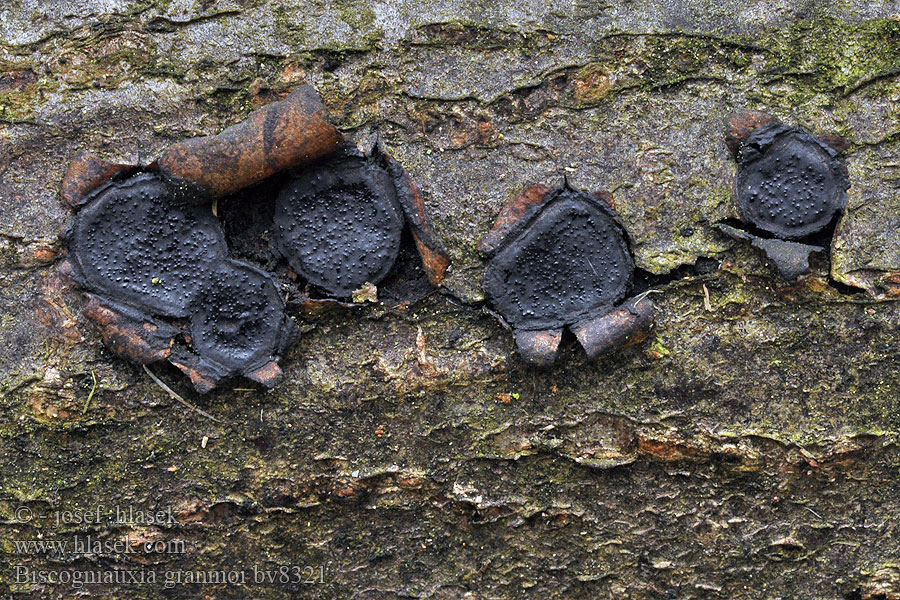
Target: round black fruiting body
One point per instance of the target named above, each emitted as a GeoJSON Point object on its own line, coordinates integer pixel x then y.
{"type": "Point", "coordinates": [152, 256]}
{"type": "Point", "coordinates": [339, 224]}
{"type": "Point", "coordinates": [567, 262]}
{"type": "Point", "coordinates": [789, 182]}
{"type": "Point", "coordinates": [238, 318]}
{"type": "Point", "coordinates": [134, 243]}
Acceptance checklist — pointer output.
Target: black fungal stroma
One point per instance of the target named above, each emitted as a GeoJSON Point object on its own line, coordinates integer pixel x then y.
{"type": "Point", "coordinates": [339, 224]}
{"type": "Point", "coordinates": [166, 261]}
{"type": "Point", "coordinates": [789, 182]}
{"type": "Point", "coordinates": [134, 242]}
{"type": "Point", "coordinates": [153, 260]}
{"type": "Point", "coordinates": [789, 185]}
{"type": "Point", "coordinates": [560, 258]}
{"type": "Point", "coordinates": [572, 260]}
{"type": "Point", "coordinates": [239, 323]}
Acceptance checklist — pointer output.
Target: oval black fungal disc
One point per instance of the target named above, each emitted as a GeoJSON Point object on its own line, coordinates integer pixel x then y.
{"type": "Point", "coordinates": [237, 321]}
{"type": "Point", "coordinates": [570, 259]}
{"type": "Point", "coordinates": [339, 224]}
{"type": "Point", "coordinates": [789, 182]}
{"type": "Point", "coordinates": [132, 242]}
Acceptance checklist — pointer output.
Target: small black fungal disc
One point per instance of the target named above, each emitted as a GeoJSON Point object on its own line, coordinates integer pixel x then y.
{"type": "Point", "coordinates": [133, 243]}
{"type": "Point", "coordinates": [571, 258]}
{"type": "Point", "coordinates": [237, 321]}
{"type": "Point", "coordinates": [789, 182]}
{"type": "Point", "coordinates": [339, 225]}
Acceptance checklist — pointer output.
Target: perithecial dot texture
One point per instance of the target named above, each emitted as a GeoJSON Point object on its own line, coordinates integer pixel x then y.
{"type": "Point", "coordinates": [571, 259]}
{"type": "Point", "coordinates": [789, 183]}
{"type": "Point", "coordinates": [135, 244]}
{"type": "Point", "coordinates": [339, 225]}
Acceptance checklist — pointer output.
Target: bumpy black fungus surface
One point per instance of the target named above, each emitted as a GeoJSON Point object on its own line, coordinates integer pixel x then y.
{"type": "Point", "coordinates": [789, 183]}
{"type": "Point", "coordinates": [339, 225]}
{"type": "Point", "coordinates": [238, 317]}
{"type": "Point", "coordinates": [566, 262]}
{"type": "Point", "coordinates": [133, 244]}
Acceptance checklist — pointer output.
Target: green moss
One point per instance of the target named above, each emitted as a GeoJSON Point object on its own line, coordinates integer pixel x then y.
{"type": "Point", "coordinates": [20, 105]}
{"type": "Point", "coordinates": [289, 28]}
{"type": "Point", "coordinates": [658, 350]}
{"type": "Point", "coordinates": [670, 59]}
{"type": "Point", "coordinates": [357, 15]}
{"type": "Point", "coordinates": [825, 55]}
{"type": "Point", "coordinates": [832, 55]}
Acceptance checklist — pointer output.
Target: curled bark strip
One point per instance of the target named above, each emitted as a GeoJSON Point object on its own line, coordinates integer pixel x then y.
{"type": "Point", "coordinates": [269, 374]}
{"type": "Point", "coordinates": [129, 334]}
{"type": "Point", "coordinates": [623, 327]}
{"type": "Point", "coordinates": [538, 348]}
{"type": "Point", "coordinates": [86, 173]}
{"type": "Point", "coordinates": [518, 209]}
{"type": "Point", "coordinates": [739, 127]}
{"type": "Point", "coordinates": [279, 136]}
{"type": "Point", "coordinates": [836, 142]}
{"type": "Point", "coordinates": [605, 196]}
{"type": "Point", "coordinates": [202, 376]}
{"type": "Point", "coordinates": [434, 257]}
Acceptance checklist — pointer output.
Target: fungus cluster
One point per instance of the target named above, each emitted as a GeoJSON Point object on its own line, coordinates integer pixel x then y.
{"type": "Point", "coordinates": [157, 270]}
{"type": "Point", "coordinates": [162, 285]}
{"type": "Point", "coordinates": [153, 260]}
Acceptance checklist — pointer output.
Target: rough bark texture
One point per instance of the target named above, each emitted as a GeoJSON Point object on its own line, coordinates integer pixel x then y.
{"type": "Point", "coordinates": [747, 449]}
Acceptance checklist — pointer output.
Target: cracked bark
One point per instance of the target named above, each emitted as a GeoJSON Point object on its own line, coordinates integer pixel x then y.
{"type": "Point", "coordinates": [745, 450]}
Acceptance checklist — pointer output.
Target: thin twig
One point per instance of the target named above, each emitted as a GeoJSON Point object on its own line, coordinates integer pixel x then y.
{"type": "Point", "coordinates": [87, 402]}
{"type": "Point", "coordinates": [175, 396]}
{"type": "Point", "coordinates": [643, 295]}
{"type": "Point", "coordinates": [815, 513]}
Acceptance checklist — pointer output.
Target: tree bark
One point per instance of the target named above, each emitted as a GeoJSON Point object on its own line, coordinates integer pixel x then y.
{"type": "Point", "coordinates": [747, 449]}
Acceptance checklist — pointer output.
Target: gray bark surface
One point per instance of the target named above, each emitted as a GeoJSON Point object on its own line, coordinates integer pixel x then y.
{"type": "Point", "coordinates": [747, 449]}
